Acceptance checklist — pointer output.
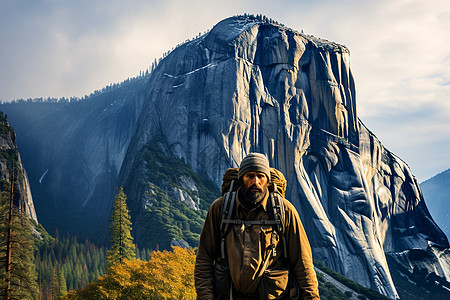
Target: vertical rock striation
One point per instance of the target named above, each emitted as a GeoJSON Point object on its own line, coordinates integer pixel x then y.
{"type": "Point", "coordinates": [250, 85]}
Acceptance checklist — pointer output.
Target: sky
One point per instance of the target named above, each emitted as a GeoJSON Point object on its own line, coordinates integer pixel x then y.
{"type": "Point", "coordinates": [400, 55]}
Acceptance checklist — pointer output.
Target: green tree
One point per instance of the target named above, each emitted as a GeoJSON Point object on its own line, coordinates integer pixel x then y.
{"type": "Point", "coordinates": [122, 246]}
{"type": "Point", "coordinates": [61, 285]}
{"type": "Point", "coordinates": [18, 270]}
{"type": "Point", "coordinates": [18, 281]}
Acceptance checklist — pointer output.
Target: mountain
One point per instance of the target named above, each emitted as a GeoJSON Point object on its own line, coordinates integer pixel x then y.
{"type": "Point", "coordinates": [9, 154]}
{"type": "Point", "coordinates": [73, 152]}
{"type": "Point", "coordinates": [249, 84]}
{"type": "Point", "coordinates": [436, 191]}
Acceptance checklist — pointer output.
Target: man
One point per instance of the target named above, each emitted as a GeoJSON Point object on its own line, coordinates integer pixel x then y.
{"type": "Point", "coordinates": [255, 265]}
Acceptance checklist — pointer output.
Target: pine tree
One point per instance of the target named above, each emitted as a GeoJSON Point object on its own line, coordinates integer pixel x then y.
{"type": "Point", "coordinates": [122, 247]}
{"type": "Point", "coordinates": [60, 284]}
{"type": "Point", "coordinates": [18, 271]}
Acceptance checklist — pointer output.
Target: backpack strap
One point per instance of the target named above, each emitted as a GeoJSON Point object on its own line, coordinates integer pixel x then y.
{"type": "Point", "coordinates": [279, 214]}
{"type": "Point", "coordinates": [276, 212]}
{"type": "Point", "coordinates": [227, 211]}
{"type": "Point", "coordinates": [248, 223]}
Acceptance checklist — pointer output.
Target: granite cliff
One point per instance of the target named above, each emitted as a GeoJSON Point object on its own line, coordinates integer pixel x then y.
{"type": "Point", "coordinates": [9, 153]}
{"type": "Point", "coordinates": [247, 85]}
{"type": "Point", "coordinates": [253, 86]}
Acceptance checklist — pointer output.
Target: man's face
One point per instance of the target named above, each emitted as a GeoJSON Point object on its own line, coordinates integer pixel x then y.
{"type": "Point", "coordinates": [255, 186]}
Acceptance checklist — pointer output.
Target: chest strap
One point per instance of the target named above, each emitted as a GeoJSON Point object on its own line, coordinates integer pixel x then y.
{"type": "Point", "coordinates": [248, 223]}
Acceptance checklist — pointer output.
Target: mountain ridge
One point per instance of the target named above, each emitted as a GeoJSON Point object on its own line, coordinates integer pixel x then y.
{"type": "Point", "coordinates": [436, 190]}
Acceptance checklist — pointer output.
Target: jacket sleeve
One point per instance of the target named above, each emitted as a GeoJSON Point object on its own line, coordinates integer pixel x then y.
{"type": "Point", "coordinates": [207, 253]}
{"type": "Point", "coordinates": [299, 255]}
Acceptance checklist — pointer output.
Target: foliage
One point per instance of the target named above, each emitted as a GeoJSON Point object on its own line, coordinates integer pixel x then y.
{"type": "Point", "coordinates": [127, 83]}
{"type": "Point", "coordinates": [122, 246]}
{"type": "Point", "coordinates": [168, 171]}
{"type": "Point", "coordinates": [5, 128]}
{"type": "Point", "coordinates": [168, 275]}
{"type": "Point", "coordinates": [17, 268]}
{"type": "Point", "coordinates": [165, 218]}
{"type": "Point", "coordinates": [65, 264]}
{"type": "Point", "coordinates": [172, 218]}
{"type": "Point", "coordinates": [348, 294]}
{"type": "Point", "coordinates": [328, 290]}
{"type": "Point", "coordinates": [370, 294]}
{"type": "Point", "coordinates": [23, 272]}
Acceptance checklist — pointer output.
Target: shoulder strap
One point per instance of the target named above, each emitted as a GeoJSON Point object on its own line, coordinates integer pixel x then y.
{"type": "Point", "coordinates": [227, 211]}
{"type": "Point", "coordinates": [227, 207]}
{"type": "Point", "coordinates": [276, 212]}
{"type": "Point", "coordinates": [279, 215]}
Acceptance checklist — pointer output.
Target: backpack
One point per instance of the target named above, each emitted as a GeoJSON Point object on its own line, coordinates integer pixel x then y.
{"type": "Point", "coordinates": [277, 188]}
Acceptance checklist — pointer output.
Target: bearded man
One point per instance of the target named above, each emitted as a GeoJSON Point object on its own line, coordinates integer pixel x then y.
{"type": "Point", "coordinates": [253, 260]}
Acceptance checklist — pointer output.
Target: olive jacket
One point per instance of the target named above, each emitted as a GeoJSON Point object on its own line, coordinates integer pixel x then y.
{"type": "Point", "coordinates": [247, 249]}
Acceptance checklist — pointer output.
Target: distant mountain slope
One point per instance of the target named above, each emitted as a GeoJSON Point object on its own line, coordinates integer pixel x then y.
{"type": "Point", "coordinates": [73, 153]}
{"type": "Point", "coordinates": [436, 192]}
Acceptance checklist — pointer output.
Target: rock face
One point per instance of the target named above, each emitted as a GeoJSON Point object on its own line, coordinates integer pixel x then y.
{"type": "Point", "coordinates": [8, 151]}
{"type": "Point", "coordinates": [252, 85]}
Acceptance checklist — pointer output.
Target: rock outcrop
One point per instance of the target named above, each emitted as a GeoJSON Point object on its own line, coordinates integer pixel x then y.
{"type": "Point", "coordinates": [9, 153]}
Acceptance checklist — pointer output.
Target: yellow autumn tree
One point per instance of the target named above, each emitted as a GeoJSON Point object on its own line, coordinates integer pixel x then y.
{"type": "Point", "coordinates": [167, 275]}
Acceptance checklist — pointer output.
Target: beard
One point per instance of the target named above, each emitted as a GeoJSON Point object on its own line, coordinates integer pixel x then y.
{"type": "Point", "coordinates": [254, 195]}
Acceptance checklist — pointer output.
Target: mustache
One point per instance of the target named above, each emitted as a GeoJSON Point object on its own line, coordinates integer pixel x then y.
{"type": "Point", "coordinates": [254, 186]}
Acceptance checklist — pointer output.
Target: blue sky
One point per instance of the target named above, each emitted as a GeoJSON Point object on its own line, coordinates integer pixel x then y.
{"type": "Point", "coordinates": [400, 55]}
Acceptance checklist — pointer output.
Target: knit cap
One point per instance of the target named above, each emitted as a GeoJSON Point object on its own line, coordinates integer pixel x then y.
{"type": "Point", "coordinates": [255, 162]}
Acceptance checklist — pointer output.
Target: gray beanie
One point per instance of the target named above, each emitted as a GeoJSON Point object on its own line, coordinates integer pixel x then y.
{"type": "Point", "coordinates": [254, 162]}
